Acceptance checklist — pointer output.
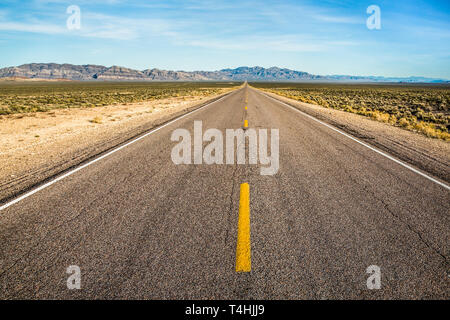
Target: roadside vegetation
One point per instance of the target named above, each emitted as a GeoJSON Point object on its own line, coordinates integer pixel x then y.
{"type": "Point", "coordinates": [421, 108]}
{"type": "Point", "coordinates": [24, 97]}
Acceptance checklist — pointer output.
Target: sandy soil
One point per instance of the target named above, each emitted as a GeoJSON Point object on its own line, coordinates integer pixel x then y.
{"type": "Point", "coordinates": [35, 146]}
{"type": "Point", "coordinates": [429, 154]}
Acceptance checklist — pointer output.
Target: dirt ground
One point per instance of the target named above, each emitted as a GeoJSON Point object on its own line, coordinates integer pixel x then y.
{"type": "Point", "coordinates": [35, 146]}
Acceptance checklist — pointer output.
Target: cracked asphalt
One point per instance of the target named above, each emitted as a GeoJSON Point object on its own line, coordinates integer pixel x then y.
{"type": "Point", "coordinates": [140, 227]}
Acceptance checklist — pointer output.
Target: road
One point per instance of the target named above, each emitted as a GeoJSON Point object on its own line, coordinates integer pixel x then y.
{"type": "Point", "coordinates": [141, 227]}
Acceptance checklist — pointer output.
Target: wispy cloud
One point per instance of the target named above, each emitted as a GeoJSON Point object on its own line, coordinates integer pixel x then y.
{"type": "Point", "coordinates": [339, 19]}
{"type": "Point", "coordinates": [32, 27]}
{"type": "Point", "coordinates": [109, 26]}
{"type": "Point", "coordinates": [209, 29]}
{"type": "Point", "coordinates": [98, 26]}
{"type": "Point", "coordinates": [284, 43]}
{"type": "Point", "coordinates": [95, 25]}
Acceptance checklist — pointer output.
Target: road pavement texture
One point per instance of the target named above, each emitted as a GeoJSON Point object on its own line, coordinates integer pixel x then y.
{"type": "Point", "coordinates": [141, 227]}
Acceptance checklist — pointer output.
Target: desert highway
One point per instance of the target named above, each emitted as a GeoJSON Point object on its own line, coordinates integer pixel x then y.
{"type": "Point", "coordinates": [140, 227]}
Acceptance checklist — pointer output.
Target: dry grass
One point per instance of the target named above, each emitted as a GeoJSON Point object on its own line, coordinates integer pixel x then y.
{"type": "Point", "coordinates": [29, 97]}
{"type": "Point", "coordinates": [420, 108]}
{"type": "Point", "coordinates": [97, 120]}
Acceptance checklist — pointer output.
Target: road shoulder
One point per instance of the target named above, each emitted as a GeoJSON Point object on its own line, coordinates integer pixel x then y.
{"type": "Point", "coordinates": [36, 147]}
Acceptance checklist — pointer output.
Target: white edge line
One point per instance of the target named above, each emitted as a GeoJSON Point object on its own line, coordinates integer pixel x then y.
{"type": "Point", "coordinates": [364, 144]}
{"type": "Point", "coordinates": [45, 185]}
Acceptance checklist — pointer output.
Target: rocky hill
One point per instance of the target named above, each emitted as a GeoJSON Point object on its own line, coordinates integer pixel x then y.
{"type": "Point", "coordinates": [116, 73]}
{"type": "Point", "coordinates": [95, 72]}
{"type": "Point", "coordinates": [271, 74]}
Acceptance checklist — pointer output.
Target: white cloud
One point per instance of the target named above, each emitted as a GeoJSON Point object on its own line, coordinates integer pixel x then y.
{"type": "Point", "coordinates": [285, 43]}
{"type": "Point", "coordinates": [339, 19]}
{"type": "Point", "coordinates": [98, 26]}
{"type": "Point", "coordinates": [32, 27]}
{"type": "Point", "coordinates": [189, 31]}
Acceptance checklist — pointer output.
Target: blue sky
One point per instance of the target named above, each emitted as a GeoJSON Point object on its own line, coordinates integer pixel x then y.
{"type": "Point", "coordinates": [320, 37]}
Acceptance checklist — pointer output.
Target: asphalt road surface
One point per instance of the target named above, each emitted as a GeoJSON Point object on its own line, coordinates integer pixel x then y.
{"type": "Point", "coordinates": [140, 227]}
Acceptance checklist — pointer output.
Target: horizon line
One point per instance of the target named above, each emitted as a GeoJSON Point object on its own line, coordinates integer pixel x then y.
{"type": "Point", "coordinates": [230, 68]}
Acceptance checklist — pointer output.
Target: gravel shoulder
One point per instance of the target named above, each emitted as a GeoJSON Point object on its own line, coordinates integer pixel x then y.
{"type": "Point", "coordinates": [428, 154]}
{"type": "Point", "coordinates": [37, 146]}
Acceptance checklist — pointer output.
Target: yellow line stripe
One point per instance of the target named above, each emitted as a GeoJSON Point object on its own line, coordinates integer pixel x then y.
{"type": "Point", "coordinates": [245, 123]}
{"type": "Point", "coordinates": [243, 248]}
{"type": "Point", "coordinates": [245, 107]}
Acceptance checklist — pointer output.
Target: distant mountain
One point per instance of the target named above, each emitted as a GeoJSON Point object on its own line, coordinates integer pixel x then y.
{"type": "Point", "coordinates": [116, 73]}
{"type": "Point", "coordinates": [271, 74]}
{"type": "Point", "coordinates": [52, 71]}
{"type": "Point", "coordinates": [386, 79]}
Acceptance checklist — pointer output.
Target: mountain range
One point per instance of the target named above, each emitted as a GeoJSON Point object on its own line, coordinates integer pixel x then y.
{"type": "Point", "coordinates": [116, 73]}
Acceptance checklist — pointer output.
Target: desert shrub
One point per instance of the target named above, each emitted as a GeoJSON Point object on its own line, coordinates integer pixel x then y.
{"type": "Point", "coordinates": [421, 108]}
{"type": "Point", "coordinates": [97, 120]}
{"type": "Point", "coordinates": [23, 97]}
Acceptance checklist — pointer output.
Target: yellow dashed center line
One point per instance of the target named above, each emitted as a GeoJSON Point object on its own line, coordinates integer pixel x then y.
{"type": "Point", "coordinates": [243, 248]}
